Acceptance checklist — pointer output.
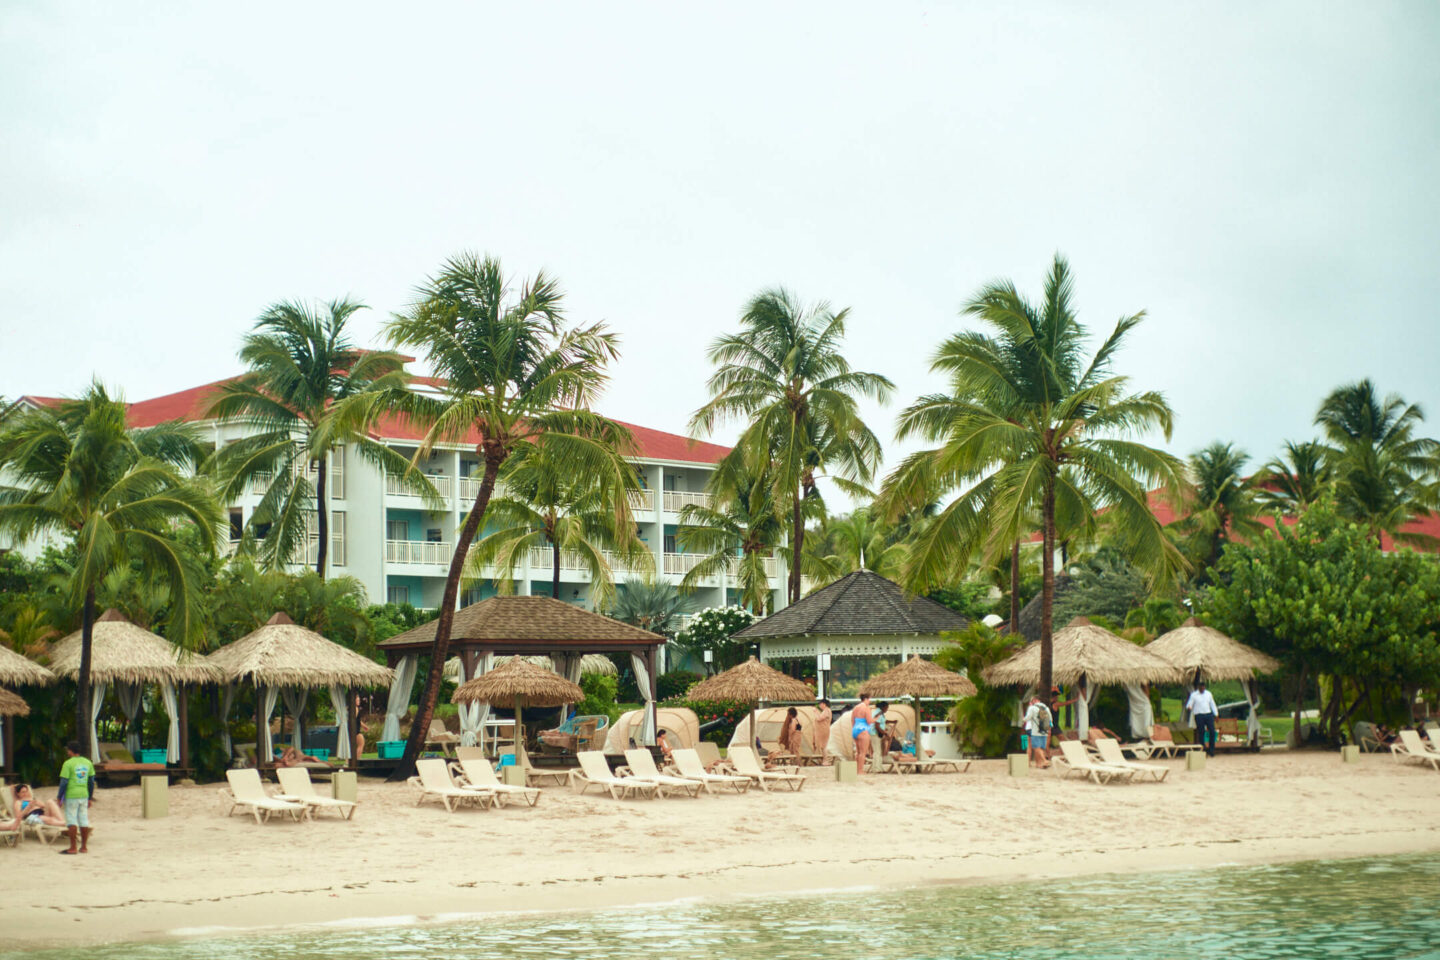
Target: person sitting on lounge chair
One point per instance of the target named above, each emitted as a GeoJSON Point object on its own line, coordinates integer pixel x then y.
{"type": "Point", "coordinates": [1384, 735]}
{"type": "Point", "coordinates": [28, 809]}
{"type": "Point", "coordinates": [663, 744]}
{"type": "Point", "coordinates": [294, 758]}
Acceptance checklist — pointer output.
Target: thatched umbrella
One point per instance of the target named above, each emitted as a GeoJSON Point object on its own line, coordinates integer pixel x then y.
{"type": "Point", "coordinates": [11, 705]}
{"type": "Point", "coordinates": [284, 654]}
{"type": "Point", "coordinates": [918, 677]}
{"type": "Point", "coordinates": [752, 681]}
{"type": "Point", "coordinates": [1085, 652]}
{"type": "Point", "coordinates": [18, 671]}
{"type": "Point", "coordinates": [1205, 653]}
{"type": "Point", "coordinates": [521, 683]}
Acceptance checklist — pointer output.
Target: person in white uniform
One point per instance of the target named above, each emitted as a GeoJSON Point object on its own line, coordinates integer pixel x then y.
{"type": "Point", "coordinates": [1202, 707]}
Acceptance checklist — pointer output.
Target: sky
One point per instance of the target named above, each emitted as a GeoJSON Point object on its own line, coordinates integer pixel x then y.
{"type": "Point", "coordinates": [1261, 179]}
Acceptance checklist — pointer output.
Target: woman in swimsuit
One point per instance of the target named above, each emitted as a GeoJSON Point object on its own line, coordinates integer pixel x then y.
{"type": "Point", "coordinates": [861, 720]}
{"type": "Point", "coordinates": [30, 810]}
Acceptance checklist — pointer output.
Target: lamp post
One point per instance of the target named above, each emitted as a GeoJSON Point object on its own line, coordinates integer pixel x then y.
{"type": "Point", "coordinates": [709, 662]}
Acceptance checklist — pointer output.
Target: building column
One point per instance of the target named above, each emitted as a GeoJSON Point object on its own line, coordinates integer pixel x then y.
{"type": "Point", "coordinates": [657, 548]}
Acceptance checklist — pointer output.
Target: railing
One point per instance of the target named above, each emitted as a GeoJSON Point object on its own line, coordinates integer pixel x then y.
{"type": "Point", "coordinates": [469, 489]}
{"type": "Point", "coordinates": [679, 564]}
{"type": "Point", "coordinates": [418, 551]}
{"type": "Point", "coordinates": [395, 488]}
{"type": "Point", "coordinates": [677, 500]}
{"type": "Point", "coordinates": [642, 501]}
{"type": "Point", "coordinates": [260, 482]}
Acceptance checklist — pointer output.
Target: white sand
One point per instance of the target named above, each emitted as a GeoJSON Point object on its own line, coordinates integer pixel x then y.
{"type": "Point", "coordinates": [198, 869]}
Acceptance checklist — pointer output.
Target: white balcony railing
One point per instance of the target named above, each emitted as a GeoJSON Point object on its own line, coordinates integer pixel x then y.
{"type": "Point", "coordinates": [435, 552]}
{"type": "Point", "coordinates": [469, 489]}
{"type": "Point", "coordinates": [679, 564]}
{"type": "Point", "coordinates": [395, 488]}
{"type": "Point", "coordinates": [642, 502]}
{"type": "Point", "coordinates": [677, 500]}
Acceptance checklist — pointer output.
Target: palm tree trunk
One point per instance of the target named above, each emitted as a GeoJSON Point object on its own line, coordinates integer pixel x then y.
{"type": "Point", "coordinates": [1047, 589]}
{"type": "Point", "coordinates": [441, 649]}
{"type": "Point", "coordinates": [322, 519]}
{"type": "Point", "coordinates": [797, 543]}
{"type": "Point", "coordinates": [1015, 588]}
{"type": "Point", "coordinates": [554, 569]}
{"type": "Point", "coordinates": [82, 693]}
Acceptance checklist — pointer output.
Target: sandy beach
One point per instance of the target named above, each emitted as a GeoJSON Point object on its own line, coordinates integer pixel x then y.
{"type": "Point", "coordinates": [198, 870]}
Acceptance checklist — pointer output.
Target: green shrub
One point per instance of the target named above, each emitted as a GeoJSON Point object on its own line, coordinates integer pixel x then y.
{"type": "Point", "coordinates": [981, 723]}
{"type": "Point", "coordinates": [673, 685]}
{"type": "Point", "coordinates": [600, 690]}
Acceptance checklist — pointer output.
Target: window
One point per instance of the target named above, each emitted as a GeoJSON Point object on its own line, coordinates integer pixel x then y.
{"type": "Point", "coordinates": [337, 538]}
{"type": "Point", "coordinates": [397, 594]}
{"type": "Point", "coordinates": [397, 530]}
{"type": "Point", "coordinates": [432, 535]}
{"type": "Point", "coordinates": [237, 523]}
{"type": "Point", "coordinates": [670, 546]}
{"type": "Point", "coordinates": [337, 472]}
{"type": "Point", "coordinates": [471, 596]}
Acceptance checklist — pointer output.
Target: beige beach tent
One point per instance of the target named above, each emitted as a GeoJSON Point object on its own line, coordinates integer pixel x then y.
{"type": "Point", "coordinates": [768, 722]}
{"type": "Point", "coordinates": [681, 726]}
{"type": "Point", "coordinates": [899, 720]}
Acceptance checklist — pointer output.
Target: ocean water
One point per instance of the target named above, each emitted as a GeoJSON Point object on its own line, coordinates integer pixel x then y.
{"type": "Point", "coordinates": [1353, 909]}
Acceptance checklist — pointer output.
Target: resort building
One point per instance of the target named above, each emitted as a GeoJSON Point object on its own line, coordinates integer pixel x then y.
{"type": "Point", "coordinates": [400, 548]}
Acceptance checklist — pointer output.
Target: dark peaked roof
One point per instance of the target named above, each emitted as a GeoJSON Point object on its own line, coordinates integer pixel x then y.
{"type": "Point", "coordinates": [859, 604]}
{"type": "Point", "coordinates": [1030, 613]}
{"type": "Point", "coordinates": [541, 622]}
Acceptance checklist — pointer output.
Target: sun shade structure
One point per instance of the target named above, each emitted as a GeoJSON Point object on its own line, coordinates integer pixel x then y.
{"type": "Point", "coordinates": [521, 683]}
{"type": "Point", "coordinates": [129, 657]}
{"type": "Point", "coordinates": [18, 671]}
{"type": "Point", "coordinates": [918, 678]}
{"type": "Point", "coordinates": [520, 626]}
{"type": "Point", "coordinates": [751, 681]}
{"type": "Point", "coordinates": [1204, 653]}
{"type": "Point", "coordinates": [12, 705]}
{"type": "Point", "coordinates": [1090, 656]}
{"type": "Point", "coordinates": [282, 655]}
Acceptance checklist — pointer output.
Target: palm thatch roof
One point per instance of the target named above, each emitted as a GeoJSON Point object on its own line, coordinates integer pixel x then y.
{"type": "Point", "coordinates": [18, 671]}
{"type": "Point", "coordinates": [1194, 647]}
{"type": "Point", "coordinates": [589, 663]}
{"type": "Point", "coordinates": [285, 654]}
{"type": "Point", "coordinates": [529, 624]}
{"type": "Point", "coordinates": [918, 677]}
{"type": "Point", "coordinates": [519, 682]}
{"type": "Point", "coordinates": [121, 652]}
{"type": "Point", "coordinates": [751, 680]}
{"type": "Point", "coordinates": [862, 603]}
{"type": "Point", "coordinates": [11, 705]}
{"type": "Point", "coordinates": [1084, 649]}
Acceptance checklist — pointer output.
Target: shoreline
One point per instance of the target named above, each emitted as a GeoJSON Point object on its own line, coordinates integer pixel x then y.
{"type": "Point", "coordinates": [199, 874]}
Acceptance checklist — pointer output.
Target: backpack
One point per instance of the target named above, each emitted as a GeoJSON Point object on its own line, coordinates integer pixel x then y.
{"type": "Point", "coordinates": [1042, 719]}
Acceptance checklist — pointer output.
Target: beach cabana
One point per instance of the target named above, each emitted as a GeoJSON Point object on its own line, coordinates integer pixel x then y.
{"type": "Point", "coordinates": [1204, 653]}
{"type": "Point", "coordinates": [524, 626]}
{"type": "Point", "coordinates": [129, 657]}
{"type": "Point", "coordinates": [1088, 656]}
{"type": "Point", "coordinates": [916, 678]}
{"type": "Point", "coordinates": [16, 671]}
{"type": "Point", "coordinates": [860, 616]}
{"type": "Point", "coordinates": [900, 719]}
{"type": "Point", "coordinates": [284, 658]}
{"type": "Point", "coordinates": [769, 721]}
{"type": "Point", "coordinates": [11, 706]}
{"type": "Point", "coordinates": [751, 681]}
{"type": "Point", "coordinates": [681, 726]}
{"type": "Point", "coordinates": [520, 684]}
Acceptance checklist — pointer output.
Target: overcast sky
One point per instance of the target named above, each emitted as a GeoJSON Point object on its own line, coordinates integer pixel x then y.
{"type": "Point", "coordinates": [1264, 184]}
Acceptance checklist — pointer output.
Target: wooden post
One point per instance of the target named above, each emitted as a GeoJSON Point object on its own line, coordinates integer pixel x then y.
{"type": "Point", "coordinates": [651, 660]}
{"type": "Point", "coordinates": [7, 762]}
{"type": "Point", "coordinates": [183, 695]}
{"type": "Point", "coordinates": [260, 758]}
{"type": "Point", "coordinates": [352, 715]}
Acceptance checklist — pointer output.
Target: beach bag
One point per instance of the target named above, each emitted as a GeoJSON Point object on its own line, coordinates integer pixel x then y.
{"type": "Point", "coordinates": [1042, 719]}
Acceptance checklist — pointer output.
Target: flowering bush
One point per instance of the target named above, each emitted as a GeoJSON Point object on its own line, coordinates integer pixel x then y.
{"type": "Point", "coordinates": [728, 712]}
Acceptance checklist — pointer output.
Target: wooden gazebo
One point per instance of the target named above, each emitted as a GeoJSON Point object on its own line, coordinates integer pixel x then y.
{"type": "Point", "coordinates": [520, 626]}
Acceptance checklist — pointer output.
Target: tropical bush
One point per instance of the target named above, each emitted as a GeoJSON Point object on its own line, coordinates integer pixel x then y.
{"type": "Point", "coordinates": [981, 723]}
{"type": "Point", "coordinates": [673, 685]}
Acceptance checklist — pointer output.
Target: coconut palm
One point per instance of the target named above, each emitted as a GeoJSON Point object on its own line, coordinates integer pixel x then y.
{"type": "Point", "coordinates": [1223, 504]}
{"type": "Point", "coordinates": [1028, 423]}
{"type": "Point", "coordinates": [301, 364]}
{"type": "Point", "coordinates": [736, 532]}
{"type": "Point", "coordinates": [544, 504]}
{"type": "Point", "coordinates": [1296, 479]}
{"type": "Point", "coordinates": [861, 540]}
{"type": "Point", "coordinates": [650, 605]}
{"type": "Point", "coordinates": [1385, 475]}
{"type": "Point", "coordinates": [30, 631]}
{"type": "Point", "coordinates": [77, 472]}
{"type": "Point", "coordinates": [784, 373]}
{"type": "Point", "coordinates": [512, 375]}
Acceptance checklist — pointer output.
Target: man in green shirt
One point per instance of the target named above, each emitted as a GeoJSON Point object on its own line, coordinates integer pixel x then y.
{"type": "Point", "coordinates": [77, 790]}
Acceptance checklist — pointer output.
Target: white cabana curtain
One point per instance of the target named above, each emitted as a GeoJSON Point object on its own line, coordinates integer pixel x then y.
{"type": "Point", "coordinates": [342, 721]}
{"type": "Point", "coordinates": [97, 702]}
{"type": "Point", "coordinates": [1252, 722]}
{"type": "Point", "coordinates": [1142, 714]}
{"type": "Point", "coordinates": [295, 702]}
{"type": "Point", "coordinates": [469, 713]}
{"type": "Point", "coordinates": [567, 665]}
{"type": "Point", "coordinates": [1186, 717]}
{"type": "Point", "coordinates": [1084, 700]}
{"type": "Point", "coordinates": [266, 748]}
{"type": "Point", "coordinates": [130, 695]}
{"type": "Point", "coordinates": [227, 700]}
{"type": "Point", "coordinates": [170, 696]}
{"type": "Point", "coordinates": [647, 693]}
{"type": "Point", "coordinates": [398, 703]}
{"type": "Point", "coordinates": [484, 665]}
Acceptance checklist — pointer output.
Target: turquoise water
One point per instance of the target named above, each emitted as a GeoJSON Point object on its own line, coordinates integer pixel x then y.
{"type": "Point", "coordinates": [1356, 909]}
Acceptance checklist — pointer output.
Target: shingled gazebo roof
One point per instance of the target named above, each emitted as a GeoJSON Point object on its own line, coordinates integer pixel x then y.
{"type": "Point", "coordinates": [859, 604]}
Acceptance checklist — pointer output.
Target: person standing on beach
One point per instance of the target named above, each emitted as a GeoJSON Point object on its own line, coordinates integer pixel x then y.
{"type": "Point", "coordinates": [1202, 707]}
{"type": "Point", "coordinates": [1037, 727]}
{"type": "Point", "coordinates": [77, 792]}
{"type": "Point", "coordinates": [861, 719]}
{"type": "Point", "coordinates": [822, 728]}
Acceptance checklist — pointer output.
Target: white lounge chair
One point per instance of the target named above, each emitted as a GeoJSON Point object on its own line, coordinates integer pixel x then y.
{"type": "Point", "coordinates": [1111, 753]}
{"type": "Point", "coordinates": [642, 765]}
{"type": "Point", "coordinates": [296, 786]}
{"type": "Point", "coordinates": [479, 773]}
{"type": "Point", "coordinates": [748, 765]}
{"type": "Point", "coordinates": [1076, 760]}
{"type": "Point", "coordinates": [44, 832]}
{"type": "Point", "coordinates": [595, 771]}
{"type": "Point", "coordinates": [434, 782]}
{"type": "Point", "coordinates": [691, 767]}
{"type": "Point", "coordinates": [248, 793]}
{"type": "Point", "coordinates": [1411, 747]}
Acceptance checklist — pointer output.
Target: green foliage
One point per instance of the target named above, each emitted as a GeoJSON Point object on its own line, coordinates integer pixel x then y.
{"type": "Point", "coordinates": [741, 516]}
{"type": "Point", "coordinates": [392, 619]}
{"type": "Point", "coordinates": [650, 605]}
{"type": "Point", "coordinates": [245, 598]}
{"type": "Point", "coordinates": [1222, 505]}
{"type": "Point", "coordinates": [600, 690]}
{"type": "Point", "coordinates": [967, 598]}
{"type": "Point", "coordinates": [981, 722]}
{"type": "Point", "coordinates": [1106, 585]}
{"type": "Point", "coordinates": [711, 629]}
{"type": "Point", "coordinates": [1156, 615]}
{"type": "Point", "coordinates": [729, 713]}
{"type": "Point", "coordinates": [674, 684]}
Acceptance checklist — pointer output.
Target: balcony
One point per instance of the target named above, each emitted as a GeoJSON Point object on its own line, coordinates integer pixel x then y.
{"type": "Point", "coordinates": [441, 482]}
{"type": "Point", "coordinates": [431, 552]}
{"type": "Point", "coordinates": [677, 500]}
{"type": "Point", "coordinates": [642, 502]}
{"type": "Point", "coordinates": [469, 490]}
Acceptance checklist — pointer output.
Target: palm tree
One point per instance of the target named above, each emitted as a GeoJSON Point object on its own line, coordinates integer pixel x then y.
{"type": "Point", "coordinates": [30, 631]}
{"type": "Point", "coordinates": [512, 376]}
{"type": "Point", "coordinates": [784, 373]}
{"type": "Point", "coordinates": [861, 540]}
{"type": "Point", "coordinates": [1028, 423]}
{"type": "Point", "coordinates": [544, 504]}
{"type": "Point", "coordinates": [650, 605]}
{"type": "Point", "coordinates": [1293, 481]}
{"type": "Point", "coordinates": [1224, 504]}
{"type": "Point", "coordinates": [1385, 475]}
{"type": "Point", "coordinates": [77, 472]}
{"type": "Point", "coordinates": [740, 519]}
{"type": "Point", "coordinates": [301, 364]}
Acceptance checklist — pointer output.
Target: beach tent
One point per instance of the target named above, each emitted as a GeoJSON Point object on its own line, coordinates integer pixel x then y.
{"type": "Point", "coordinates": [768, 722]}
{"type": "Point", "coordinates": [129, 657]}
{"type": "Point", "coordinates": [899, 720]}
{"type": "Point", "coordinates": [16, 671]}
{"type": "Point", "coordinates": [681, 726]}
{"type": "Point", "coordinates": [1205, 653]}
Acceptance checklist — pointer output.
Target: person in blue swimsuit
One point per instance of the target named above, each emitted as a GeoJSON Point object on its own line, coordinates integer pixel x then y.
{"type": "Point", "coordinates": [862, 722]}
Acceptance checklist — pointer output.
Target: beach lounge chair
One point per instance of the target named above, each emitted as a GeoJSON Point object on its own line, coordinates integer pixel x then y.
{"type": "Point", "coordinates": [432, 778]}
{"type": "Point", "coordinates": [1434, 734]}
{"type": "Point", "coordinates": [296, 786]}
{"type": "Point", "coordinates": [595, 771]}
{"type": "Point", "coordinates": [690, 766]}
{"type": "Point", "coordinates": [479, 773]}
{"type": "Point", "coordinates": [540, 776]}
{"type": "Point", "coordinates": [1111, 753]}
{"type": "Point", "coordinates": [10, 835]}
{"type": "Point", "coordinates": [709, 753]}
{"type": "Point", "coordinates": [1076, 760]}
{"type": "Point", "coordinates": [748, 765]}
{"type": "Point", "coordinates": [44, 832]}
{"type": "Point", "coordinates": [438, 736]}
{"type": "Point", "coordinates": [248, 793]}
{"type": "Point", "coordinates": [1162, 742]}
{"type": "Point", "coordinates": [642, 765]}
{"type": "Point", "coordinates": [908, 763]}
{"type": "Point", "coordinates": [1411, 747]}
{"type": "Point", "coordinates": [1366, 737]}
